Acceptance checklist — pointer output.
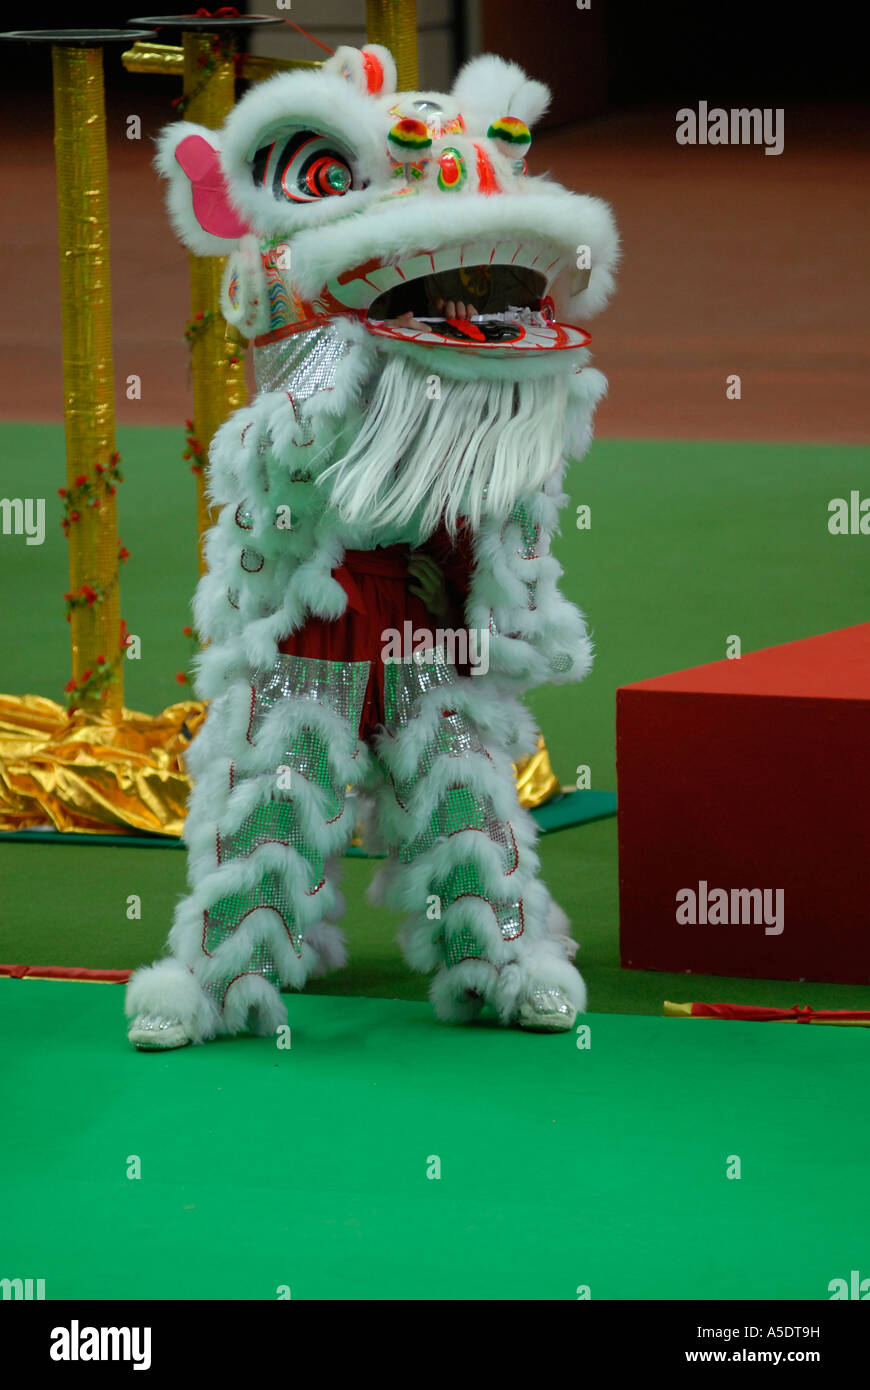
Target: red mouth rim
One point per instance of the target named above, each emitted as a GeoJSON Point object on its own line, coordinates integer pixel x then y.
{"type": "Point", "coordinates": [568, 337]}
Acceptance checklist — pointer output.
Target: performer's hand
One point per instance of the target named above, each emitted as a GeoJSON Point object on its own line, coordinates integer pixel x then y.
{"type": "Point", "coordinates": [455, 310]}
{"type": "Point", "coordinates": [427, 583]}
{"type": "Point", "coordinates": [407, 320]}
{"type": "Point", "coordinates": [449, 308]}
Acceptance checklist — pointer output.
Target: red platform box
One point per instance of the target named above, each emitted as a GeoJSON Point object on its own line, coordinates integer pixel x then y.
{"type": "Point", "coordinates": [749, 774]}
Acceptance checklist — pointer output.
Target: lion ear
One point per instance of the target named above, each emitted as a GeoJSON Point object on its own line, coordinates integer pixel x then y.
{"type": "Point", "coordinates": [188, 157]}
{"type": "Point", "coordinates": [497, 87]}
{"type": "Point", "coordinates": [371, 69]}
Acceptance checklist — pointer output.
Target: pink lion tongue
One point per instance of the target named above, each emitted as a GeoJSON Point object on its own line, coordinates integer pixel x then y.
{"type": "Point", "coordinates": [211, 206]}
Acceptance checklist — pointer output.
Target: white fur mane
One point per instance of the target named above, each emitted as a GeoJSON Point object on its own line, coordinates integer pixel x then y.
{"type": "Point", "coordinates": [469, 451]}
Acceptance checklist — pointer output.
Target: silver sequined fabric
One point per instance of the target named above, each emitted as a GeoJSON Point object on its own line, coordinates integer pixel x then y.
{"type": "Point", "coordinates": [155, 1023]}
{"type": "Point", "coordinates": [225, 916]}
{"type": "Point", "coordinates": [405, 682]}
{"type": "Point", "coordinates": [339, 685]}
{"type": "Point", "coordinates": [463, 944]}
{"type": "Point", "coordinates": [302, 363]}
{"type": "Point", "coordinates": [463, 809]}
{"type": "Point", "coordinates": [455, 737]}
{"type": "Point", "coordinates": [531, 532]}
{"type": "Point", "coordinates": [551, 1001]}
{"type": "Point", "coordinates": [459, 809]}
{"type": "Point", "coordinates": [271, 823]}
{"type": "Point", "coordinates": [260, 962]}
{"type": "Point", "coordinates": [463, 881]}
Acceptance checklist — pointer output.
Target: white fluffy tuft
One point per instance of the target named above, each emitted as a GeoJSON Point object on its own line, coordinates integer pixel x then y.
{"type": "Point", "coordinates": [458, 994]}
{"type": "Point", "coordinates": [496, 87]}
{"type": "Point", "coordinates": [170, 989]}
{"type": "Point", "coordinates": [254, 1005]}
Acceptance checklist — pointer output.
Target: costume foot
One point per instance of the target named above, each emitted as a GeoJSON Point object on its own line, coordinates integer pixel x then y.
{"type": "Point", "coordinates": [168, 1007]}
{"type": "Point", "coordinates": [546, 1011]}
{"type": "Point", "coordinates": [152, 1033]}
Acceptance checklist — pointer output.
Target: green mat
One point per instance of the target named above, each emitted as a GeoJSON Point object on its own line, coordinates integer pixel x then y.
{"type": "Point", "coordinates": [567, 808]}
{"type": "Point", "coordinates": [307, 1168]}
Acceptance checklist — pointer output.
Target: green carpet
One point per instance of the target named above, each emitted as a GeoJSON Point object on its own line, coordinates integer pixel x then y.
{"type": "Point", "coordinates": [307, 1168]}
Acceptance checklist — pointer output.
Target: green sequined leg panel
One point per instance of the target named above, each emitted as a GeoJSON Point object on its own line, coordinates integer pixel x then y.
{"type": "Point", "coordinates": [455, 848]}
{"type": "Point", "coordinates": [284, 818]}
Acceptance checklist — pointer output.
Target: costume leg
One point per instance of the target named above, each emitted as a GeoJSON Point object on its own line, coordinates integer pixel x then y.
{"type": "Point", "coordinates": [266, 819]}
{"type": "Point", "coordinates": [463, 863]}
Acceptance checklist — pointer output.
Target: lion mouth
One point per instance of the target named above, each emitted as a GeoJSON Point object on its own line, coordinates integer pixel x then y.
{"type": "Point", "coordinates": [509, 289]}
{"type": "Point", "coordinates": [492, 289]}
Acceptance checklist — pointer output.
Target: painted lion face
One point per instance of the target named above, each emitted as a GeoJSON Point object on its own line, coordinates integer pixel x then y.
{"type": "Point", "coordinates": [334, 195]}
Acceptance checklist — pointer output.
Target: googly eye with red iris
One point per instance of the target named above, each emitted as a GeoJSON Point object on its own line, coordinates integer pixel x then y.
{"type": "Point", "coordinates": [303, 168]}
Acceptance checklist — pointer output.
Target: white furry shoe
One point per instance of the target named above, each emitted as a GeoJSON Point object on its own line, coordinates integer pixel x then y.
{"type": "Point", "coordinates": [152, 1033]}
{"type": "Point", "coordinates": [168, 1008]}
{"type": "Point", "coordinates": [546, 1011]}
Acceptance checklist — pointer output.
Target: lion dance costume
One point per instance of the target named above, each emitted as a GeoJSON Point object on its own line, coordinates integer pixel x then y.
{"type": "Point", "coordinates": [385, 426]}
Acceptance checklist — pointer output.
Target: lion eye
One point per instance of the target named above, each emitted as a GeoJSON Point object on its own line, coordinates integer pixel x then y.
{"type": "Point", "coordinates": [327, 177]}
{"type": "Point", "coordinates": [303, 167]}
{"type": "Point", "coordinates": [513, 137]}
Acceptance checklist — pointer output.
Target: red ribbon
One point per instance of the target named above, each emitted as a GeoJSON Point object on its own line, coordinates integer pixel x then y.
{"type": "Point", "coordinates": [300, 30]}
{"type": "Point", "coordinates": [230, 12]}
{"type": "Point", "coordinates": [799, 1013]}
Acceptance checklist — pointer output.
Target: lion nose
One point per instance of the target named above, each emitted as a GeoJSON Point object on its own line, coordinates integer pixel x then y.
{"type": "Point", "coordinates": [453, 171]}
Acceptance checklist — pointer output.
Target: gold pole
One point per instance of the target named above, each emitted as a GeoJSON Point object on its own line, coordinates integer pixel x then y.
{"type": "Point", "coordinates": [218, 384]}
{"type": "Point", "coordinates": [86, 322]}
{"type": "Point", "coordinates": [393, 23]}
{"type": "Point", "coordinates": [168, 61]}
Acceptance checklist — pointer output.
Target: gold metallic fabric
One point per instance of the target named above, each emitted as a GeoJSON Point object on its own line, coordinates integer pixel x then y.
{"type": "Point", "coordinates": [86, 320]}
{"type": "Point", "coordinates": [101, 770]}
{"type": "Point", "coordinates": [218, 385]}
{"type": "Point", "coordinates": [536, 781]}
{"type": "Point", "coordinates": [93, 771]}
{"type": "Point", "coordinates": [393, 23]}
{"type": "Point", "coordinates": [672, 1010]}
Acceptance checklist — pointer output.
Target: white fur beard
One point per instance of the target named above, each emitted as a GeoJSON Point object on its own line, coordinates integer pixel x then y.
{"type": "Point", "coordinates": [469, 451]}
